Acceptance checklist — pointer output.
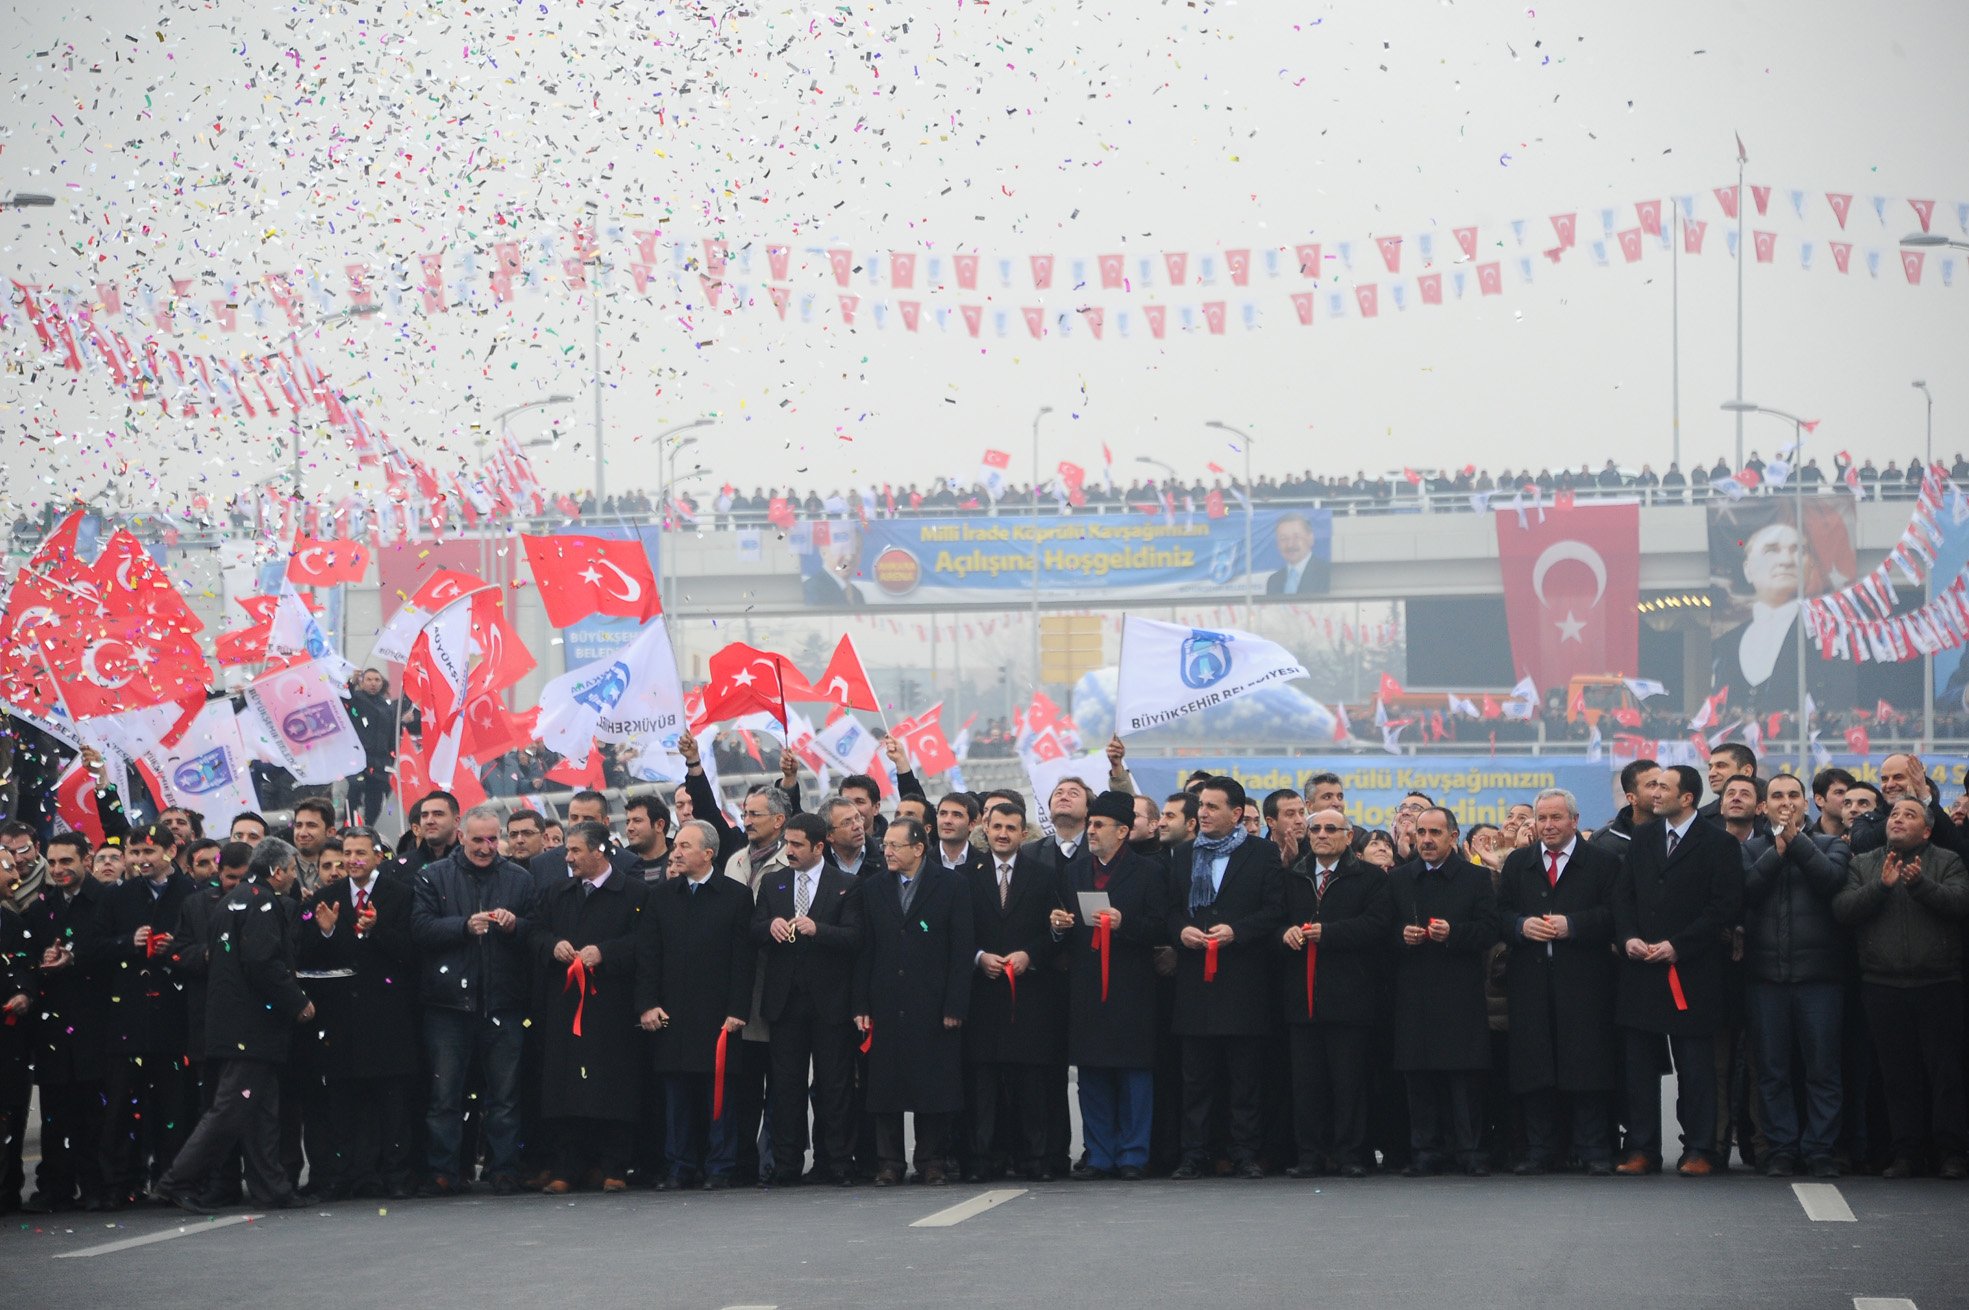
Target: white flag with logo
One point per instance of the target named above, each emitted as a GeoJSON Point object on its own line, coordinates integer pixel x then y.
{"type": "Point", "coordinates": [1169, 670]}
{"type": "Point", "coordinates": [848, 744]}
{"type": "Point", "coordinates": [294, 631]}
{"type": "Point", "coordinates": [295, 718]}
{"type": "Point", "coordinates": [206, 771]}
{"type": "Point", "coordinates": [630, 695]}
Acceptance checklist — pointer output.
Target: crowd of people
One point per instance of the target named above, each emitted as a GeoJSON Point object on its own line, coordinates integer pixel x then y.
{"type": "Point", "coordinates": [1242, 985]}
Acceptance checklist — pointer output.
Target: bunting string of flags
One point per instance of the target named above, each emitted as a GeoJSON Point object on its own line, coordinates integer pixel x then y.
{"type": "Point", "coordinates": [1858, 622]}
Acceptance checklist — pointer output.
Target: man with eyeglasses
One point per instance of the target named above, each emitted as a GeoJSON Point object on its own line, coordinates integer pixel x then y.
{"type": "Point", "coordinates": [912, 995]}
{"type": "Point", "coordinates": [1338, 916]}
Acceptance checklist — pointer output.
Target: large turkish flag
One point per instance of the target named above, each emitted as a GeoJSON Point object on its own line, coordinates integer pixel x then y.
{"type": "Point", "coordinates": [1572, 590]}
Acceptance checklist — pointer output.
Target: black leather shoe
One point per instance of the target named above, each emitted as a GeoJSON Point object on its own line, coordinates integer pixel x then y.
{"type": "Point", "coordinates": [1087, 1173]}
{"type": "Point", "coordinates": [1129, 1173]}
{"type": "Point", "coordinates": [1780, 1166]}
{"type": "Point", "coordinates": [887, 1177]}
{"type": "Point", "coordinates": [1528, 1168]}
{"type": "Point", "coordinates": [291, 1201]}
{"type": "Point", "coordinates": [1599, 1169]}
{"type": "Point", "coordinates": [718, 1183]}
{"type": "Point", "coordinates": [1186, 1172]}
{"type": "Point", "coordinates": [1901, 1168]}
{"type": "Point", "coordinates": [183, 1200]}
{"type": "Point", "coordinates": [1955, 1169]}
{"type": "Point", "coordinates": [1478, 1169]}
{"type": "Point", "coordinates": [1304, 1171]}
{"type": "Point", "coordinates": [1040, 1174]}
{"type": "Point", "coordinates": [41, 1203]}
{"type": "Point", "coordinates": [1823, 1166]}
{"type": "Point", "coordinates": [1353, 1171]}
{"type": "Point", "coordinates": [1251, 1171]}
{"type": "Point", "coordinates": [1416, 1169]}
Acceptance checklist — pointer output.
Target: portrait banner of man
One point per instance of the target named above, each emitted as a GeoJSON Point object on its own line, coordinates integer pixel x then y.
{"type": "Point", "coordinates": [1759, 567]}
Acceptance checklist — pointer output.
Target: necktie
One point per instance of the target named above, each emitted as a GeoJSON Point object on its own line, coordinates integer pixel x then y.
{"type": "Point", "coordinates": [362, 899]}
{"type": "Point", "coordinates": [1674, 839]}
{"type": "Point", "coordinates": [1004, 885]}
{"type": "Point", "coordinates": [908, 892]}
{"type": "Point", "coordinates": [1319, 888]}
{"type": "Point", "coordinates": [800, 894]}
{"type": "Point", "coordinates": [587, 888]}
{"type": "Point", "coordinates": [693, 886]}
{"type": "Point", "coordinates": [1552, 864]}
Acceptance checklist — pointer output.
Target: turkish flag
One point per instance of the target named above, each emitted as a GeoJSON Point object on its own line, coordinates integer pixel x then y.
{"type": "Point", "coordinates": [587, 776]}
{"type": "Point", "coordinates": [1572, 587]}
{"type": "Point", "coordinates": [923, 737]}
{"type": "Point", "coordinates": [503, 657]}
{"type": "Point", "coordinates": [75, 802]}
{"type": "Point", "coordinates": [492, 730]}
{"type": "Point", "coordinates": [745, 680]}
{"type": "Point", "coordinates": [1857, 740]}
{"type": "Point", "coordinates": [128, 580]}
{"type": "Point", "coordinates": [580, 576]}
{"type": "Point", "coordinates": [844, 681]}
{"type": "Point", "coordinates": [317, 563]}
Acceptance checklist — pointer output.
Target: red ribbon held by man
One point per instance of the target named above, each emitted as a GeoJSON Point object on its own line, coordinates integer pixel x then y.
{"type": "Point", "coordinates": [577, 976]}
{"type": "Point", "coordinates": [156, 944]}
{"type": "Point", "coordinates": [1312, 963]}
{"type": "Point", "coordinates": [867, 1038]}
{"type": "Point", "coordinates": [1103, 934]}
{"type": "Point", "coordinates": [1675, 988]}
{"type": "Point", "coordinates": [1210, 959]}
{"type": "Point", "coordinates": [1012, 981]}
{"type": "Point", "coordinates": [718, 1075]}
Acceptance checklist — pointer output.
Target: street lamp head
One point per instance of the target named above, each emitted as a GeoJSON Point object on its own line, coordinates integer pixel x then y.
{"type": "Point", "coordinates": [1741, 407]}
{"type": "Point", "coordinates": [28, 200]}
{"type": "Point", "coordinates": [559, 398]}
{"type": "Point", "coordinates": [1920, 384]}
{"type": "Point", "coordinates": [686, 443]}
{"type": "Point", "coordinates": [1920, 239]}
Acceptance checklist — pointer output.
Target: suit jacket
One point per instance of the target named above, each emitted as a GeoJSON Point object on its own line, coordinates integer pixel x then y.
{"type": "Point", "coordinates": [72, 1011]}
{"type": "Point", "coordinates": [821, 967]}
{"type": "Point", "coordinates": [1355, 917]}
{"type": "Point", "coordinates": [1250, 898]}
{"type": "Point", "coordinates": [1314, 580]}
{"type": "Point", "coordinates": [594, 1075]}
{"type": "Point", "coordinates": [913, 973]}
{"type": "Point", "coordinates": [1032, 1028]}
{"type": "Point", "coordinates": [366, 1024]}
{"type": "Point", "coordinates": [252, 1002]}
{"type": "Point", "coordinates": [1565, 987]}
{"type": "Point", "coordinates": [695, 959]}
{"type": "Point", "coordinates": [1691, 900]}
{"type": "Point", "coordinates": [148, 1015]}
{"type": "Point", "coordinates": [1442, 1015]}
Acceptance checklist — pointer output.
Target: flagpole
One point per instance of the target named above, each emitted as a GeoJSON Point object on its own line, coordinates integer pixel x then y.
{"type": "Point", "coordinates": [1742, 158]}
{"type": "Point", "coordinates": [1675, 337]}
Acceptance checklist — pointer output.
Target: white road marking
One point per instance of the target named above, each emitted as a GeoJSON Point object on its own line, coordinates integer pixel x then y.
{"type": "Point", "coordinates": [963, 1210]}
{"type": "Point", "coordinates": [184, 1230]}
{"type": "Point", "coordinates": [751, 1307]}
{"type": "Point", "coordinates": [1882, 1303]}
{"type": "Point", "coordinates": [1823, 1203]}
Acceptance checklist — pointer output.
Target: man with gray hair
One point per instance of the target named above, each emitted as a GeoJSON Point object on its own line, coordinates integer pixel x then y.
{"type": "Point", "coordinates": [763, 813]}
{"type": "Point", "coordinates": [466, 921]}
{"type": "Point", "coordinates": [252, 1004]}
{"type": "Point", "coordinates": [1555, 913]}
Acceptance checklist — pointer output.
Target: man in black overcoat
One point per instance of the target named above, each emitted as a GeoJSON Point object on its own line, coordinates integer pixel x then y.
{"type": "Point", "coordinates": [1227, 893]}
{"type": "Point", "coordinates": [1448, 916]}
{"type": "Point", "coordinates": [1674, 905]}
{"type": "Point", "coordinates": [72, 953]}
{"type": "Point", "coordinates": [1555, 909]}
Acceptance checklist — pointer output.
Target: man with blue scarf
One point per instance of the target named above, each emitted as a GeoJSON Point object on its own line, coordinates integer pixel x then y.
{"type": "Point", "coordinates": [1228, 892]}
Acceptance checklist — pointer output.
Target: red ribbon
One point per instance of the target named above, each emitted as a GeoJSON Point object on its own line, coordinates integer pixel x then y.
{"type": "Point", "coordinates": [1103, 932]}
{"type": "Point", "coordinates": [1312, 963]}
{"type": "Point", "coordinates": [868, 1038]}
{"type": "Point", "coordinates": [1210, 959]}
{"type": "Point", "coordinates": [718, 1075]}
{"type": "Point", "coordinates": [577, 974]}
{"type": "Point", "coordinates": [156, 944]}
{"type": "Point", "coordinates": [1675, 988]}
{"type": "Point", "coordinates": [1012, 981]}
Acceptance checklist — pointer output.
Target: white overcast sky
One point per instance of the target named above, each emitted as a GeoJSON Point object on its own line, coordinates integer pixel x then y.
{"type": "Point", "coordinates": [234, 139]}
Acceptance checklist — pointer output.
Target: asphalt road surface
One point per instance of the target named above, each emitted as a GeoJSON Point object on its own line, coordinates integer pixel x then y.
{"type": "Point", "coordinates": [1740, 1241]}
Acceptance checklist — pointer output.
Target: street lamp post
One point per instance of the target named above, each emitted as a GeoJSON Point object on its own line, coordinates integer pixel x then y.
{"type": "Point", "coordinates": [294, 343]}
{"type": "Point", "coordinates": [486, 555]}
{"type": "Point", "coordinates": [1044, 410]}
{"type": "Point", "coordinates": [27, 200]}
{"type": "Point", "coordinates": [1740, 408]}
{"type": "Point", "coordinates": [1928, 446]}
{"type": "Point", "coordinates": [1250, 508]}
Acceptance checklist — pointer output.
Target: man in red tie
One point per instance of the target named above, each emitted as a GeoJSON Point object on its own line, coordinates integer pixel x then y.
{"type": "Point", "coordinates": [1555, 909]}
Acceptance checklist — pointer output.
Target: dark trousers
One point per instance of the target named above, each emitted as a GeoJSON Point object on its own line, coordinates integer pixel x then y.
{"type": "Point", "coordinates": [1695, 1091]}
{"type": "Point", "coordinates": [1329, 1093]}
{"type": "Point", "coordinates": [1116, 1109]}
{"type": "Point", "coordinates": [746, 1079]}
{"type": "Point", "coordinates": [13, 1134]}
{"type": "Point", "coordinates": [71, 1137]}
{"type": "Point", "coordinates": [1227, 1072]}
{"type": "Point", "coordinates": [146, 1118]}
{"type": "Point", "coordinates": [699, 1143]}
{"type": "Point", "coordinates": [1918, 1034]}
{"type": "Point", "coordinates": [371, 1131]}
{"type": "Point", "coordinates": [245, 1113]}
{"type": "Point", "coordinates": [801, 1042]}
{"type": "Point", "coordinates": [582, 1145]}
{"type": "Point", "coordinates": [1166, 1128]}
{"type": "Point", "coordinates": [1806, 1017]}
{"type": "Point", "coordinates": [367, 792]}
{"type": "Point", "coordinates": [451, 1039]}
{"type": "Point", "coordinates": [652, 1160]}
{"type": "Point", "coordinates": [1547, 1111]}
{"type": "Point", "coordinates": [931, 1130]}
{"type": "Point", "coordinates": [1445, 1116]}
{"type": "Point", "coordinates": [227, 1184]}
{"type": "Point", "coordinates": [1009, 1111]}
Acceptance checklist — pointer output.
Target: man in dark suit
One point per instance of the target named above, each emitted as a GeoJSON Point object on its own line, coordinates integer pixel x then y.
{"type": "Point", "coordinates": [1448, 914]}
{"type": "Point", "coordinates": [807, 925]}
{"type": "Point", "coordinates": [1674, 905]}
{"type": "Point", "coordinates": [1303, 574]}
{"type": "Point", "coordinates": [912, 994]}
{"type": "Point", "coordinates": [1228, 893]}
{"type": "Point", "coordinates": [73, 952]}
{"type": "Point", "coordinates": [694, 990]}
{"type": "Point", "coordinates": [1111, 979]}
{"type": "Point", "coordinates": [1555, 908]}
{"type": "Point", "coordinates": [148, 1096]}
{"type": "Point", "coordinates": [359, 926]}
{"type": "Point", "coordinates": [1339, 916]}
{"type": "Point", "coordinates": [1015, 1031]}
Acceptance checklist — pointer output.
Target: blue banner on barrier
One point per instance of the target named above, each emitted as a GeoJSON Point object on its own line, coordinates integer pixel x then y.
{"type": "Point", "coordinates": [1475, 788]}
{"type": "Point", "coordinates": [1092, 556]}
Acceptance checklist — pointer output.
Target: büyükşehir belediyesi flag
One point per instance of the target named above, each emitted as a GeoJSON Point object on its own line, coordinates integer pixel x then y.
{"type": "Point", "coordinates": [1169, 670]}
{"type": "Point", "coordinates": [629, 695]}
